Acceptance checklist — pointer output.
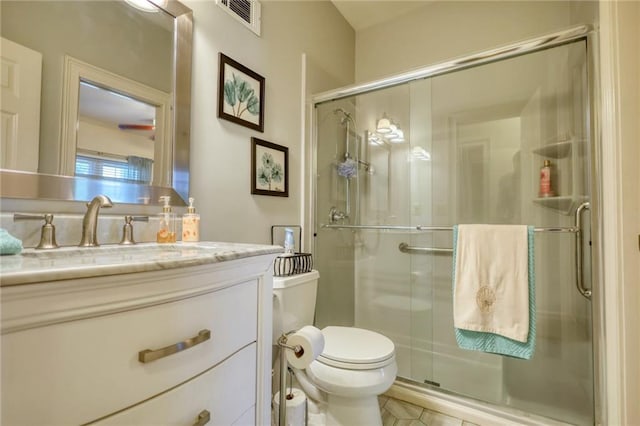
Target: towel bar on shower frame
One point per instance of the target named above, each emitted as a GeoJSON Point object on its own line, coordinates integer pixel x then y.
{"type": "Point", "coordinates": [406, 248]}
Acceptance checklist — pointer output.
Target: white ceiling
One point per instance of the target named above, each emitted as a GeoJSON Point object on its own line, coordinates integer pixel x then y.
{"type": "Point", "coordinates": [363, 14]}
{"type": "Point", "coordinates": [110, 107]}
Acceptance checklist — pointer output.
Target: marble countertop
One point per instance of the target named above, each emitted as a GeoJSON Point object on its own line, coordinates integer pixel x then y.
{"type": "Point", "coordinates": [32, 266]}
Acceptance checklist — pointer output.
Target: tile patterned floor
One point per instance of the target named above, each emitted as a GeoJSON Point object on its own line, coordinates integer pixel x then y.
{"type": "Point", "coordinates": [400, 413]}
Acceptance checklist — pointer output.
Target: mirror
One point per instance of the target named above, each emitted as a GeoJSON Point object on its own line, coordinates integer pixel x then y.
{"type": "Point", "coordinates": [117, 136]}
{"type": "Point", "coordinates": [106, 86]}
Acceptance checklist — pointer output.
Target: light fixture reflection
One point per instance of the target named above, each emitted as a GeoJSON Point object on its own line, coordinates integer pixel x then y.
{"type": "Point", "coordinates": [419, 153]}
{"type": "Point", "coordinates": [148, 5]}
{"type": "Point", "coordinates": [384, 125]}
{"type": "Point", "coordinates": [393, 131]}
{"type": "Point", "coordinates": [398, 137]}
{"type": "Point", "coordinates": [375, 140]}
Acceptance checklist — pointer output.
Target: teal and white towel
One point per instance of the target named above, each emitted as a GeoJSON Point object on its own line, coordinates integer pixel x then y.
{"type": "Point", "coordinates": [8, 243]}
{"type": "Point", "coordinates": [494, 289]}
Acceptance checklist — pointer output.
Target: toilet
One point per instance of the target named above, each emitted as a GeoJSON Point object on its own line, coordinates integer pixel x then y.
{"type": "Point", "coordinates": [355, 366]}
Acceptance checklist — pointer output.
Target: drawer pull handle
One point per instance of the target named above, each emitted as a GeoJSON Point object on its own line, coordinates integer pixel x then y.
{"type": "Point", "coordinates": [149, 355]}
{"type": "Point", "coordinates": [203, 418]}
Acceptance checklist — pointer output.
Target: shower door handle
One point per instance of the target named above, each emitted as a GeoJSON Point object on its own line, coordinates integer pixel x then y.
{"type": "Point", "coordinates": [586, 292]}
{"type": "Point", "coordinates": [406, 248]}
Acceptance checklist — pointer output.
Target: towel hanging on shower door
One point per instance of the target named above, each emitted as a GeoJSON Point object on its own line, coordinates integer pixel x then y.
{"type": "Point", "coordinates": [494, 301]}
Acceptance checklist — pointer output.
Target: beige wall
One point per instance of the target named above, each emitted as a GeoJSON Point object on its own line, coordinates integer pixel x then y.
{"type": "Point", "coordinates": [620, 107]}
{"type": "Point", "coordinates": [220, 150]}
{"type": "Point", "coordinates": [629, 33]}
{"type": "Point", "coordinates": [448, 29]}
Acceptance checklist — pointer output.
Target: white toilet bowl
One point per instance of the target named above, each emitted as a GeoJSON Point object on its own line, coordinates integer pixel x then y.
{"type": "Point", "coordinates": [355, 367]}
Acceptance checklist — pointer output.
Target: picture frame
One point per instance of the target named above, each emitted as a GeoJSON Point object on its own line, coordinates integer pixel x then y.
{"type": "Point", "coordinates": [240, 94]}
{"type": "Point", "coordinates": [269, 168]}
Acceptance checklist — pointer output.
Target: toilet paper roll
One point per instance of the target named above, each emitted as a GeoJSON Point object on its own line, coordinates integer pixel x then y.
{"type": "Point", "coordinates": [311, 342]}
{"type": "Point", "coordinates": [296, 408]}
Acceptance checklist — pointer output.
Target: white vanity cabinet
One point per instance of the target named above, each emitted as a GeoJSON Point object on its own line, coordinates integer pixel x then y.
{"type": "Point", "coordinates": [195, 403]}
{"type": "Point", "coordinates": [186, 345]}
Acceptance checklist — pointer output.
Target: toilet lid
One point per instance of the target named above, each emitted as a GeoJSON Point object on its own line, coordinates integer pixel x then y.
{"type": "Point", "coordinates": [349, 345]}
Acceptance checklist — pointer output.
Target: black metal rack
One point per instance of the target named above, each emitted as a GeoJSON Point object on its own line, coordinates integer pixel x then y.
{"type": "Point", "coordinates": [291, 264]}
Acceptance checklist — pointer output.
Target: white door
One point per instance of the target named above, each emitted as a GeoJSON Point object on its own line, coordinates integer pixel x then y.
{"type": "Point", "coordinates": [21, 76]}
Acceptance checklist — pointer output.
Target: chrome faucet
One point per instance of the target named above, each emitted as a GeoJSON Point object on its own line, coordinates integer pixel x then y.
{"type": "Point", "coordinates": [90, 221]}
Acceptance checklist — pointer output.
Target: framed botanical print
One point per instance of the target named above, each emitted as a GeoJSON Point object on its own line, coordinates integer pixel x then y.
{"type": "Point", "coordinates": [240, 94]}
{"type": "Point", "coordinates": [269, 168]}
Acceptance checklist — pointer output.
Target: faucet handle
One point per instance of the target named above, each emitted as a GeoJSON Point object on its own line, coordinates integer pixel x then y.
{"type": "Point", "coordinates": [48, 233]}
{"type": "Point", "coordinates": [127, 229]}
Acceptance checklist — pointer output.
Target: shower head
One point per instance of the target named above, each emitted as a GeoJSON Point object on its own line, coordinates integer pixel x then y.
{"type": "Point", "coordinates": [345, 115]}
{"type": "Point", "coordinates": [367, 167]}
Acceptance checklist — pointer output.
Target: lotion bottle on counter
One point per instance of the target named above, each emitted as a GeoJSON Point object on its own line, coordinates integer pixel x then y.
{"type": "Point", "coordinates": [167, 227]}
{"type": "Point", "coordinates": [191, 224]}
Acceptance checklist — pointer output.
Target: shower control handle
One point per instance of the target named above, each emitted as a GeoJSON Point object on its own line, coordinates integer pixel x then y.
{"type": "Point", "coordinates": [335, 215]}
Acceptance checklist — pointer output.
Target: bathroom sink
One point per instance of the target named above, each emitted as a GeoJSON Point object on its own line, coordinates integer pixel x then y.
{"type": "Point", "coordinates": [80, 262]}
{"type": "Point", "coordinates": [115, 253]}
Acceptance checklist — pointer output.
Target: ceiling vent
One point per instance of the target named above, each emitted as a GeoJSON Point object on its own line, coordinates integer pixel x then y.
{"type": "Point", "coordinates": [245, 11]}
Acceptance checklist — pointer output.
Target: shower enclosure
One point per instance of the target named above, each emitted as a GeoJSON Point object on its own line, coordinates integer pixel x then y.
{"type": "Point", "coordinates": [398, 162]}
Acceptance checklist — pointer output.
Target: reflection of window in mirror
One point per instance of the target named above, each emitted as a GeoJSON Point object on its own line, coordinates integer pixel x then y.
{"type": "Point", "coordinates": [120, 128]}
{"type": "Point", "coordinates": [116, 136]}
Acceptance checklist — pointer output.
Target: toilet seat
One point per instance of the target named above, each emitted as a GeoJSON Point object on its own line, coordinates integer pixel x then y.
{"type": "Point", "coordinates": [355, 349]}
{"type": "Point", "coordinates": [354, 362]}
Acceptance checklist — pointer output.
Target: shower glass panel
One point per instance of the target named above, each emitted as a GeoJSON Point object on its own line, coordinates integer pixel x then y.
{"type": "Point", "coordinates": [471, 146]}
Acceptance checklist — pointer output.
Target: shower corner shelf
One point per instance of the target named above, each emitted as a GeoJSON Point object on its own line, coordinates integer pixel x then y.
{"type": "Point", "coordinates": [568, 152]}
{"type": "Point", "coordinates": [555, 150]}
{"type": "Point", "coordinates": [560, 149]}
{"type": "Point", "coordinates": [562, 203]}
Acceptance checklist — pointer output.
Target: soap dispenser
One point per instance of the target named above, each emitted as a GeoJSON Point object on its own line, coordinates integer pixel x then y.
{"type": "Point", "coordinates": [167, 227]}
{"type": "Point", "coordinates": [191, 224]}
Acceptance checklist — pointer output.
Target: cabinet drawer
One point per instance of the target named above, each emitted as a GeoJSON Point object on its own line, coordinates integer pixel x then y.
{"type": "Point", "coordinates": [248, 418]}
{"type": "Point", "coordinates": [77, 372]}
{"type": "Point", "coordinates": [224, 394]}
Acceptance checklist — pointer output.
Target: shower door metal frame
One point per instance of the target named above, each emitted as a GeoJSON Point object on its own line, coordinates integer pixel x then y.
{"type": "Point", "coordinates": [555, 39]}
{"type": "Point", "coordinates": [469, 61]}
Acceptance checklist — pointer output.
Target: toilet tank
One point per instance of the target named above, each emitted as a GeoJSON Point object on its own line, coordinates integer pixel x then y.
{"type": "Point", "coordinates": [294, 301]}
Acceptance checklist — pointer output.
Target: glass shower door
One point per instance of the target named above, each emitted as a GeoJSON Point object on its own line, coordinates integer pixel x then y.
{"type": "Point", "coordinates": [491, 129]}
{"type": "Point", "coordinates": [473, 144]}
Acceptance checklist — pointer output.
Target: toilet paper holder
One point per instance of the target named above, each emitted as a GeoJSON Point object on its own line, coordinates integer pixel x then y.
{"type": "Point", "coordinates": [284, 367]}
{"type": "Point", "coordinates": [297, 349]}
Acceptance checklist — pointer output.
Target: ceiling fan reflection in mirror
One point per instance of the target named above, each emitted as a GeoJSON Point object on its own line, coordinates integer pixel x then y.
{"type": "Point", "coordinates": [108, 106]}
